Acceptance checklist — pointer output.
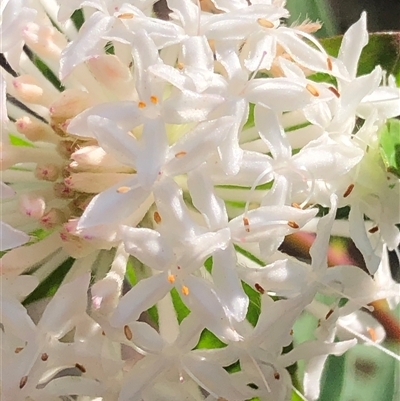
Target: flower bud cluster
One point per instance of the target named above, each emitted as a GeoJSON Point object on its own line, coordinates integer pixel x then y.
{"type": "Point", "coordinates": [176, 155]}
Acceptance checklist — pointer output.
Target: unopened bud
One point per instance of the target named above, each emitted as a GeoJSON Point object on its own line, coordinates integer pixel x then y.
{"type": "Point", "coordinates": [35, 130]}
{"type": "Point", "coordinates": [52, 218]}
{"type": "Point", "coordinates": [27, 89]}
{"type": "Point", "coordinates": [32, 206]}
{"type": "Point", "coordinates": [47, 172]}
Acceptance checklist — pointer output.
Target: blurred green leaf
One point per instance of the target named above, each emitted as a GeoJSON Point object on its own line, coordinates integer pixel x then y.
{"type": "Point", "coordinates": [49, 286]}
{"type": "Point", "coordinates": [180, 308]}
{"type": "Point", "coordinates": [390, 146]}
{"type": "Point", "coordinates": [315, 10]}
{"type": "Point", "coordinates": [382, 49]}
{"type": "Point", "coordinates": [17, 141]}
{"type": "Point", "coordinates": [209, 340]}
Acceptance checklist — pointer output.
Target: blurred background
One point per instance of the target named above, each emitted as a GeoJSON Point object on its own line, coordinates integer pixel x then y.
{"type": "Point", "coordinates": [338, 15]}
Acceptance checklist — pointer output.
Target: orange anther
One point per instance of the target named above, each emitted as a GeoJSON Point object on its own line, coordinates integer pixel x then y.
{"type": "Point", "coordinates": [157, 217]}
{"type": "Point", "coordinates": [128, 332]}
{"type": "Point", "coordinates": [329, 63]}
{"type": "Point", "coordinates": [334, 91]}
{"type": "Point", "coordinates": [293, 224]}
{"type": "Point", "coordinates": [141, 105]}
{"type": "Point", "coordinates": [259, 288]}
{"type": "Point", "coordinates": [123, 190]}
{"type": "Point", "coordinates": [372, 334]}
{"type": "Point", "coordinates": [126, 16]}
{"type": "Point", "coordinates": [171, 278]}
{"type": "Point", "coordinates": [185, 290]}
{"type": "Point", "coordinates": [265, 23]}
{"type": "Point", "coordinates": [246, 224]}
{"type": "Point", "coordinates": [312, 89]}
{"type": "Point", "coordinates": [154, 99]}
{"type": "Point", "coordinates": [373, 229]}
{"type": "Point", "coordinates": [180, 154]}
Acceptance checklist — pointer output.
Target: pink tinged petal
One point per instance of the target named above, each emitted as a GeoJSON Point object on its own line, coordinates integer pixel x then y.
{"type": "Point", "coordinates": [359, 236]}
{"type": "Point", "coordinates": [228, 285]}
{"type": "Point", "coordinates": [66, 307]}
{"type": "Point", "coordinates": [15, 17]}
{"type": "Point", "coordinates": [213, 378]}
{"type": "Point", "coordinates": [11, 238]}
{"type": "Point", "coordinates": [205, 200]}
{"type": "Point", "coordinates": [89, 43]}
{"type": "Point", "coordinates": [148, 246]}
{"type": "Point", "coordinates": [114, 205]}
{"type": "Point", "coordinates": [278, 94]}
{"type": "Point", "coordinates": [19, 259]}
{"type": "Point", "coordinates": [147, 338]}
{"type": "Point", "coordinates": [153, 151]}
{"type": "Point", "coordinates": [204, 301]}
{"type": "Point", "coordinates": [197, 145]}
{"type": "Point", "coordinates": [272, 133]}
{"type": "Point", "coordinates": [114, 140]}
{"type": "Point", "coordinates": [142, 374]}
{"type": "Point", "coordinates": [141, 297]}
{"type": "Point", "coordinates": [126, 114]}
{"type": "Point", "coordinates": [354, 40]}
{"type": "Point", "coordinates": [314, 369]}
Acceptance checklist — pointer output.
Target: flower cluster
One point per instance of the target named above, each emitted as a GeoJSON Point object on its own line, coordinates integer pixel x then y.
{"type": "Point", "coordinates": [180, 152]}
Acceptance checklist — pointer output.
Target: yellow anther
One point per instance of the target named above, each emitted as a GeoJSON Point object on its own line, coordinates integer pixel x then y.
{"type": "Point", "coordinates": [141, 105]}
{"type": "Point", "coordinates": [154, 99]}
{"type": "Point", "coordinates": [329, 63]}
{"type": "Point", "coordinates": [180, 66]}
{"type": "Point", "coordinates": [128, 332]}
{"type": "Point", "coordinates": [157, 217]}
{"type": "Point", "coordinates": [372, 334]}
{"type": "Point", "coordinates": [265, 23]}
{"type": "Point", "coordinates": [123, 190]}
{"type": "Point", "coordinates": [293, 224]}
{"type": "Point", "coordinates": [171, 278]}
{"type": "Point", "coordinates": [126, 16]}
{"type": "Point", "coordinates": [246, 224]}
{"type": "Point", "coordinates": [312, 89]}
{"type": "Point", "coordinates": [185, 290]}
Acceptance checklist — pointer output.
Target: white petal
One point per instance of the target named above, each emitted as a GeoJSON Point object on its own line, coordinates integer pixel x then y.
{"type": "Point", "coordinates": [10, 237]}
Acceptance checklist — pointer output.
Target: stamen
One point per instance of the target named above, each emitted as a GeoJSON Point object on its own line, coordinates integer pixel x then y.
{"type": "Point", "coordinates": [185, 290]}
{"type": "Point", "coordinates": [154, 99]}
{"type": "Point", "coordinates": [44, 357]}
{"type": "Point", "coordinates": [80, 367]}
{"type": "Point", "coordinates": [312, 89]}
{"type": "Point", "coordinates": [126, 16]}
{"type": "Point", "coordinates": [296, 205]}
{"type": "Point", "coordinates": [373, 229]}
{"type": "Point", "coordinates": [372, 334]}
{"type": "Point", "coordinates": [329, 63]}
{"type": "Point", "coordinates": [128, 332]}
{"type": "Point", "coordinates": [123, 190]}
{"type": "Point", "coordinates": [348, 190]}
{"type": "Point", "coordinates": [141, 105]}
{"type": "Point", "coordinates": [23, 381]}
{"type": "Point", "coordinates": [180, 154]}
{"type": "Point", "coordinates": [293, 224]}
{"type": "Point", "coordinates": [157, 217]}
{"type": "Point", "coordinates": [180, 66]}
{"type": "Point", "coordinates": [246, 224]}
{"type": "Point", "coordinates": [328, 314]}
{"type": "Point", "coordinates": [18, 350]}
{"type": "Point", "coordinates": [334, 91]}
{"type": "Point", "coordinates": [171, 278]}
{"type": "Point", "coordinates": [291, 332]}
{"type": "Point", "coordinates": [259, 288]}
{"type": "Point", "coordinates": [265, 23]}
{"type": "Point", "coordinates": [277, 376]}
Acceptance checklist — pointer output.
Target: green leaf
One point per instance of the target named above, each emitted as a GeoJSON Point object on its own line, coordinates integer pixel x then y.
{"type": "Point", "coordinates": [382, 49]}
{"type": "Point", "coordinates": [17, 141]}
{"type": "Point", "coordinates": [208, 340]}
{"type": "Point", "coordinates": [390, 146]}
{"type": "Point", "coordinates": [180, 308]}
{"type": "Point", "coordinates": [50, 285]}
